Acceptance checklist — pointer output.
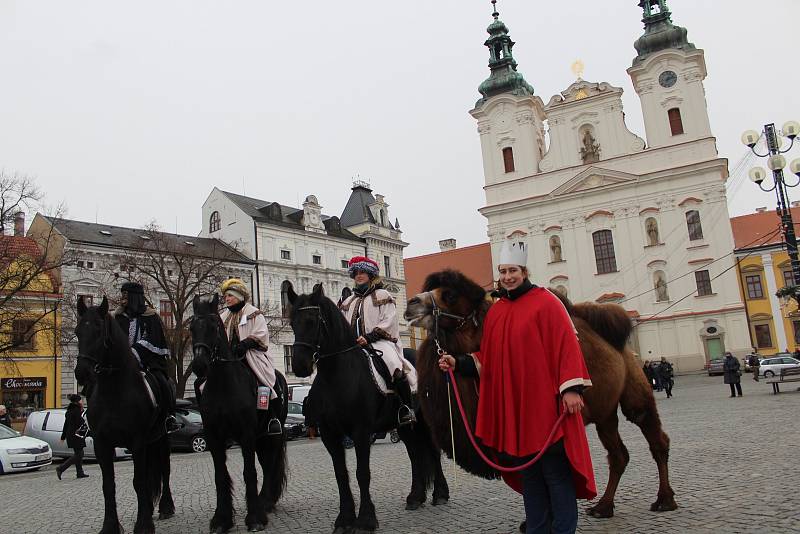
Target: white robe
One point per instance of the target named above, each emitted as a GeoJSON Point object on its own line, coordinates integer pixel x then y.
{"type": "Point", "coordinates": [251, 324]}
{"type": "Point", "coordinates": [379, 314]}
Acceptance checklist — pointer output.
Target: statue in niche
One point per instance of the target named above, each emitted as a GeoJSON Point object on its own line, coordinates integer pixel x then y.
{"type": "Point", "coordinates": [555, 249]}
{"type": "Point", "coordinates": [661, 287]}
{"type": "Point", "coordinates": [590, 152]}
{"type": "Point", "coordinates": [651, 227]}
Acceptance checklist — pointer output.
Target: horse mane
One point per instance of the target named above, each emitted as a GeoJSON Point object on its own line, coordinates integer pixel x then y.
{"type": "Point", "coordinates": [331, 313]}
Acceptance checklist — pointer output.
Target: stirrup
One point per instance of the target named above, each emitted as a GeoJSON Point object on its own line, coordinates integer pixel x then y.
{"type": "Point", "coordinates": [274, 427]}
{"type": "Point", "coordinates": [406, 418]}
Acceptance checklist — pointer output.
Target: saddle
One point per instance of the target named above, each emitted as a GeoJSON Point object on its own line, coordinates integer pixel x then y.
{"type": "Point", "coordinates": [380, 371]}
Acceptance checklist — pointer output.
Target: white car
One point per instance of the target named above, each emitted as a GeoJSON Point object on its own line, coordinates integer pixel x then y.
{"type": "Point", "coordinates": [772, 366]}
{"type": "Point", "coordinates": [47, 425]}
{"type": "Point", "coordinates": [22, 453]}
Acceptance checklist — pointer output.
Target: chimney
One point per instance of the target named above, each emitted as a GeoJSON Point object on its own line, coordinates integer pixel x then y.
{"type": "Point", "coordinates": [19, 224]}
{"type": "Point", "coordinates": [447, 244]}
{"type": "Point", "coordinates": [761, 209]}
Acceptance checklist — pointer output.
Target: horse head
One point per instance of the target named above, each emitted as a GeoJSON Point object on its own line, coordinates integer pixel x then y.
{"type": "Point", "coordinates": [205, 328]}
{"type": "Point", "coordinates": [94, 341]}
{"type": "Point", "coordinates": [450, 304]}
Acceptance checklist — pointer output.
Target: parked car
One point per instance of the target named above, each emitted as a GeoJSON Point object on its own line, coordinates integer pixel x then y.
{"type": "Point", "coordinates": [716, 366]}
{"type": "Point", "coordinates": [772, 366]}
{"type": "Point", "coordinates": [47, 425]}
{"type": "Point", "coordinates": [295, 426]}
{"type": "Point", "coordinates": [299, 393]}
{"type": "Point", "coordinates": [190, 436]}
{"type": "Point", "coordinates": [22, 453]}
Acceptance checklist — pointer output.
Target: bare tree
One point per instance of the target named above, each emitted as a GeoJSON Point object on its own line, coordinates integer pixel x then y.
{"type": "Point", "coordinates": [18, 193]}
{"type": "Point", "coordinates": [172, 267]}
{"type": "Point", "coordinates": [277, 321]}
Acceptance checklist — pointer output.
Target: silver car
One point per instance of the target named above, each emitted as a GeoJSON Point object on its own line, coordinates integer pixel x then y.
{"type": "Point", "coordinates": [47, 425]}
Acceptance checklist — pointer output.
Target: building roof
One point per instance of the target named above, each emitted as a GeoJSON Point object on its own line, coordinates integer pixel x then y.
{"type": "Point", "coordinates": [357, 211]}
{"type": "Point", "coordinates": [760, 229]}
{"type": "Point", "coordinates": [278, 214]}
{"type": "Point", "coordinates": [474, 261]}
{"type": "Point", "coordinates": [13, 247]}
{"type": "Point", "coordinates": [131, 238]}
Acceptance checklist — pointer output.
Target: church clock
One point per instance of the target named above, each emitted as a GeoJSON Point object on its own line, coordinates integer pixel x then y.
{"type": "Point", "coordinates": [667, 78]}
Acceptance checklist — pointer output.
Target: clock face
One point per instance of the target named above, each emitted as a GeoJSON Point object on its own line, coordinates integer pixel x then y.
{"type": "Point", "coordinates": [667, 78]}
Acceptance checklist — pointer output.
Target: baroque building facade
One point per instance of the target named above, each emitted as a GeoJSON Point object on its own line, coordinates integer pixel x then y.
{"type": "Point", "coordinates": [607, 215]}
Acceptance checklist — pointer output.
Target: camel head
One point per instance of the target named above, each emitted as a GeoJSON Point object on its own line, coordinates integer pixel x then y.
{"type": "Point", "coordinates": [453, 294]}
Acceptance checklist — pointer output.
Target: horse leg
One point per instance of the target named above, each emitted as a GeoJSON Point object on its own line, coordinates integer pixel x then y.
{"type": "Point", "coordinates": [417, 496]}
{"type": "Point", "coordinates": [366, 522]}
{"type": "Point", "coordinates": [262, 453]}
{"type": "Point", "coordinates": [271, 451]}
{"type": "Point", "coordinates": [144, 514]}
{"type": "Point", "coordinates": [618, 458]}
{"type": "Point", "coordinates": [222, 520]}
{"type": "Point", "coordinates": [105, 457]}
{"type": "Point", "coordinates": [347, 514]}
{"type": "Point", "coordinates": [256, 518]}
{"type": "Point", "coordinates": [166, 505]}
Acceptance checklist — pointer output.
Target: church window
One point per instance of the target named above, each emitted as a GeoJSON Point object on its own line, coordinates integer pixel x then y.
{"type": "Point", "coordinates": [386, 272]}
{"type": "Point", "coordinates": [508, 159]}
{"type": "Point", "coordinates": [754, 288]}
{"type": "Point", "coordinates": [703, 281]}
{"type": "Point", "coordinates": [694, 226]}
{"type": "Point", "coordinates": [214, 222]}
{"type": "Point", "coordinates": [285, 305]}
{"type": "Point", "coordinates": [604, 251]}
{"type": "Point", "coordinates": [675, 121]}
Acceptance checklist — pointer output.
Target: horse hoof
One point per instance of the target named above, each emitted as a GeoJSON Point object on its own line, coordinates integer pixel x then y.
{"type": "Point", "coordinates": [342, 530]}
{"type": "Point", "coordinates": [601, 511]}
{"type": "Point", "coordinates": [414, 505]}
{"type": "Point", "coordinates": [165, 515]}
{"type": "Point", "coordinates": [665, 505]}
{"type": "Point", "coordinates": [255, 527]}
{"type": "Point", "coordinates": [438, 501]}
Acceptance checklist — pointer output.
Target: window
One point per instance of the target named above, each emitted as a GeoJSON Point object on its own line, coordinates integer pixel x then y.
{"type": "Point", "coordinates": [763, 336]}
{"type": "Point", "coordinates": [169, 272]}
{"type": "Point", "coordinates": [165, 311]}
{"type": "Point", "coordinates": [90, 265]}
{"type": "Point", "coordinates": [287, 358]}
{"type": "Point", "coordinates": [788, 278]}
{"type": "Point", "coordinates": [316, 259]}
{"type": "Point", "coordinates": [286, 255]}
{"type": "Point", "coordinates": [796, 330]}
{"type": "Point", "coordinates": [703, 281]}
{"type": "Point", "coordinates": [80, 264]}
{"type": "Point", "coordinates": [508, 159]}
{"type": "Point", "coordinates": [87, 299]}
{"type": "Point", "coordinates": [386, 272]}
{"type": "Point", "coordinates": [675, 121]}
{"type": "Point", "coordinates": [604, 252]}
{"type": "Point", "coordinates": [754, 289]}
{"type": "Point", "coordinates": [345, 264]}
{"type": "Point", "coordinates": [693, 223]}
{"type": "Point", "coordinates": [214, 222]}
{"type": "Point", "coordinates": [285, 305]}
{"type": "Point", "coordinates": [23, 334]}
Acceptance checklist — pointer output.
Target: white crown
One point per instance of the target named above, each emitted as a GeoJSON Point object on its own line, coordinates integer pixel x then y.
{"type": "Point", "coordinates": [513, 253]}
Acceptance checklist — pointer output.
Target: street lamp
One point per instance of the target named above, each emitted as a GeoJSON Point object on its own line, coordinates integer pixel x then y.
{"type": "Point", "coordinates": [776, 163]}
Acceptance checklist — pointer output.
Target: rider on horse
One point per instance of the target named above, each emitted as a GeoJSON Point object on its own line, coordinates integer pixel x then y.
{"type": "Point", "coordinates": [148, 344]}
{"type": "Point", "coordinates": [372, 315]}
{"type": "Point", "coordinates": [248, 336]}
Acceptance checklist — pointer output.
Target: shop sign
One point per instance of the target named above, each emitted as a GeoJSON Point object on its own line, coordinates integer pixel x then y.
{"type": "Point", "coordinates": [23, 383]}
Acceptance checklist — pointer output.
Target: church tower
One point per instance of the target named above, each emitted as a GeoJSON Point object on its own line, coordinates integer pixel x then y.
{"type": "Point", "coordinates": [668, 75]}
{"type": "Point", "coordinates": [509, 115]}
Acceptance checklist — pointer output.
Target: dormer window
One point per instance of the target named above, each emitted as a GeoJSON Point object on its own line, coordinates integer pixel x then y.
{"type": "Point", "coordinates": [214, 223]}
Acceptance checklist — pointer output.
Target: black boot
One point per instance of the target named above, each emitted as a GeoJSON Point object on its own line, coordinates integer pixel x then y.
{"type": "Point", "coordinates": [405, 415]}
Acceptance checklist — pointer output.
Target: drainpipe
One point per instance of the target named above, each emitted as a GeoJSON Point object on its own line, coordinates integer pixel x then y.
{"type": "Point", "coordinates": [258, 278]}
{"type": "Point", "coordinates": [744, 298]}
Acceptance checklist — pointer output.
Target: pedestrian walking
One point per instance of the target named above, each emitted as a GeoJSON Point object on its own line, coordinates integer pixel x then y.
{"type": "Point", "coordinates": [667, 374]}
{"type": "Point", "coordinates": [733, 374]}
{"type": "Point", "coordinates": [755, 365]}
{"type": "Point", "coordinates": [5, 419]}
{"type": "Point", "coordinates": [72, 422]}
{"type": "Point", "coordinates": [648, 373]}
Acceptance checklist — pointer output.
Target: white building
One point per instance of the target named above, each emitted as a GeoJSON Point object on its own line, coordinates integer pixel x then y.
{"type": "Point", "coordinates": [305, 247]}
{"type": "Point", "coordinates": [608, 216]}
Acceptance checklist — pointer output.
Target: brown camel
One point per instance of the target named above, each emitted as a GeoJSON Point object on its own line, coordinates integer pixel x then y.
{"type": "Point", "coordinates": [452, 309]}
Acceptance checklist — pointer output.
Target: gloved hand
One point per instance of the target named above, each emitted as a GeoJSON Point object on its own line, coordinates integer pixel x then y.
{"type": "Point", "coordinates": [243, 346]}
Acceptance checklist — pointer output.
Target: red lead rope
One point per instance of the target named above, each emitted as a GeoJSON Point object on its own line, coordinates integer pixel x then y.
{"type": "Point", "coordinates": [477, 447]}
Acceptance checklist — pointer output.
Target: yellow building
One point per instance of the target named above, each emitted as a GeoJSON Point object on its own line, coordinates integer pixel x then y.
{"type": "Point", "coordinates": [30, 366]}
{"type": "Point", "coordinates": [764, 268]}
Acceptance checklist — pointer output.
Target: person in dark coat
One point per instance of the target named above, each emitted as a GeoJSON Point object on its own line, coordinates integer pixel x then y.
{"type": "Point", "coordinates": [755, 365]}
{"type": "Point", "coordinates": [73, 421]}
{"type": "Point", "coordinates": [667, 374]}
{"type": "Point", "coordinates": [648, 372]}
{"type": "Point", "coordinates": [5, 419]}
{"type": "Point", "coordinates": [148, 343]}
{"type": "Point", "coordinates": [733, 375]}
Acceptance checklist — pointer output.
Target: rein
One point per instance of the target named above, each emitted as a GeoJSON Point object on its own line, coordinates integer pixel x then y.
{"type": "Point", "coordinates": [98, 367]}
{"type": "Point", "coordinates": [322, 327]}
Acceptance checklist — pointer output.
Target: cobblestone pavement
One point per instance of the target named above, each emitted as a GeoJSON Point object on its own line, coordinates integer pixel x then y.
{"type": "Point", "coordinates": [733, 468]}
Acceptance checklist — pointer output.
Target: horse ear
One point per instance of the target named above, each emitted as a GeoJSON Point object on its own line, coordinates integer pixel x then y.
{"type": "Point", "coordinates": [81, 306]}
{"type": "Point", "coordinates": [291, 294]}
{"type": "Point", "coordinates": [104, 306]}
{"type": "Point", "coordinates": [319, 291]}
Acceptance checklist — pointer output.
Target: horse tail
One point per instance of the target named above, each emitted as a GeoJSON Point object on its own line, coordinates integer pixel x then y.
{"type": "Point", "coordinates": [609, 321]}
{"type": "Point", "coordinates": [154, 466]}
{"type": "Point", "coordinates": [276, 465]}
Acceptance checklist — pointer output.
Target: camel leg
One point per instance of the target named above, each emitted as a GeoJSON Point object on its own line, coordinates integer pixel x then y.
{"type": "Point", "coordinates": [618, 458]}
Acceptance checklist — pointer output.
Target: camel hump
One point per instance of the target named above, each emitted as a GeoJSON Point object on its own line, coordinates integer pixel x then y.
{"type": "Point", "coordinates": [610, 321]}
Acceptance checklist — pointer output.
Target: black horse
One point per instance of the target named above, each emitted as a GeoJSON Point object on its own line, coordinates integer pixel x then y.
{"type": "Point", "coordinates": [346, 402]}
{"type": "Point", "coordinates": [121, 414]}
{"type": "Point", "coordinates": [228, 407]}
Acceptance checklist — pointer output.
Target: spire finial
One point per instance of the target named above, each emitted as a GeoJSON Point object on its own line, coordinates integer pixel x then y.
{"type": "Point", "coordinates": [495, 14]}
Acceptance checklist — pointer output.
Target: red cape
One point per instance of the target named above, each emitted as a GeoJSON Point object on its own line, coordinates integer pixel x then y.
{"type": "Point", "coordinates": [529, 355]}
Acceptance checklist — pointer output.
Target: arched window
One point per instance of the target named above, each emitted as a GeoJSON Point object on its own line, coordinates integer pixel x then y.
{"type": "Point", "coordinates": [604, 251]}
{"type": "Point", "coordinates": [508, 159]}
{"type": "Point", "coordinates": [660, 286]}
{"type": "Point", "coordinates": [214, 222]}
{"type": "Point", "coordinates": [651, 229]}
{"type": "Point", "coordinates": [675, 121]}
{"type": "Point", "coordinates": [694, 226]}
{"type": "Point", "coordinates": [285, 304]}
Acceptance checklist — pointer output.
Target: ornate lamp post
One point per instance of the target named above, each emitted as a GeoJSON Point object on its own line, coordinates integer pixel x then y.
{"type": "Point", "coordinates": [776, 162]}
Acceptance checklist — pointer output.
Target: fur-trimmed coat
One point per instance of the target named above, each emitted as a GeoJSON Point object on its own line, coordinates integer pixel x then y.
{"type": "Point", "coordinates": [250, 324]}
{"type": "Point", "coordinates": [374, 316]}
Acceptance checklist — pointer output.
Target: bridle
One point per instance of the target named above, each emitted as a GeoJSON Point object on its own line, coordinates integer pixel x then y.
{"type": "Point", "coordinates": [322, 328]}
{"type": "Point", "coordinates": [214, 350]}
{"type": "Point", "coordinates": [437, 313]}
{"type": "Point", "coordinates": [98, 368]}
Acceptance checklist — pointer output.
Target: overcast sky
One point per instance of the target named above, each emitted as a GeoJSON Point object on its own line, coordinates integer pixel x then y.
{"type": "Point", "coordinates": [134, 111]}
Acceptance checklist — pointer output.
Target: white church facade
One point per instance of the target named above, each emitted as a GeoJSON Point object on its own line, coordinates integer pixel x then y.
{"type": "Point", "coordinates": [608, 216]}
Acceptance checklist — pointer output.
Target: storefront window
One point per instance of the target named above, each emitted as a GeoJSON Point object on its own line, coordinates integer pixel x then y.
{"type": "Point", "coordinates": [22, 396]}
